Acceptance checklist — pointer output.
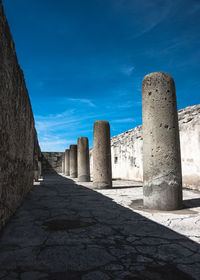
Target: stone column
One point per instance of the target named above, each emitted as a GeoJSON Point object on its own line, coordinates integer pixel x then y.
{"type": "Point", "coordinates": [63, 163]}
{"type": "Point", "coordinates": [67, 151]}
{"type": "Point", "coordinates": [73, 161]}
{"type": "Point", "coordinates": [83, 160]}
{"type": "Point", "coordinates": [36, 173]}
{"type": "Point", "coordinates": [161, 146]}
{"type": "Point", "coordinates": [102, 173]}
{"type": "Point", "coordinates": [40, 168]}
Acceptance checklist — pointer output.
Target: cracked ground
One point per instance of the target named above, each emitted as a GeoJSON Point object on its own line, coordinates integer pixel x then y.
{"type": "Point", "coordinates": [67, 230]}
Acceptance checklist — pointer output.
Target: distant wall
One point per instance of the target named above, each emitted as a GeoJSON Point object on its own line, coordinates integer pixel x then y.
{"type": "Point", "coordinates": [18, 138]}
{"type": "Point", "coordinates": [51, 162]}
{"type": "Point", "coordinates": [189, 125]}
{"type": "Point", "coordinates": [127, 158]}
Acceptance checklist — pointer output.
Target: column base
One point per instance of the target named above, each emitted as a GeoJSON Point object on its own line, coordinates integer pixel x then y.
{"type": "Point", "coordinates": [102, 185]}
{"type": "Point", "coordinates": [163, 197]}
{"type": "Point", "coordinates": [84, 178]}
{"type": "Point", "coordinates": [73, 175]}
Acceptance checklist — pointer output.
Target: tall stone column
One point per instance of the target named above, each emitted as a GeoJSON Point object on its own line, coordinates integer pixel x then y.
{"type": "Point", "coordinates": [36, 172]}
{"type": "Point", "coordinates": [102, 173]}
{"type": "Point", "coordinates": [83, 160]}
{"type": "Point", "coordinates": [73, 161]}
{"type": "Point", "coordinates": [63, 163]}
{"type": "Point", "coordinates": [40, 168]}
{"type": "Point", "coordinates": [67, 164]}
{"type": "Point", "coordinates": [161, 146]}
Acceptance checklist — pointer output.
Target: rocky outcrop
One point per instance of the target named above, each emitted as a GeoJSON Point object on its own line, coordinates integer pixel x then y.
{"type": "Point", "coordinates": [51, 162]}
{"type": "Point", "coordinates": [18, 137]}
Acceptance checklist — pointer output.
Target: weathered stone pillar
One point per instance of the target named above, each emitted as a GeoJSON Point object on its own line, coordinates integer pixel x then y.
{"type": "Point", "coordinates": [36, 173]}
{"type": "Point", "coordinates": [40, 169]}
{"type": "Point", "coordinates": [83, 160]}
{"type": "Point", "coordinates": [161, 147]}
{"type": "Point", "coordinates": [102, 173]}
{"type": "Point", "coordinates": [67, 152]}
{"type": "Point", "coordinates": [63, 163]}
{"type": "Point", "coordinates": [73, 161]}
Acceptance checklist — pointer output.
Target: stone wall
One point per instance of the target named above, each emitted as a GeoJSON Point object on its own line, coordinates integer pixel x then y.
{"type": "Point", "coordinates": [18, 137]}
{"type": "Point", "coordinates": [126, 150]}
{"type": "Point", "coordinates": [189, 126]}
{"type": "Point", "coordinates": [51, 162]}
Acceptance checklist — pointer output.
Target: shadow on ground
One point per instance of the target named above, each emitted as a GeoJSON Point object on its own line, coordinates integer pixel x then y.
{"type": "Point", "coordinates": [67, 231]}
{"type": "Point", "coordinates": [125, 187]}
{"type": "Point", "coordinates": [192, 203]}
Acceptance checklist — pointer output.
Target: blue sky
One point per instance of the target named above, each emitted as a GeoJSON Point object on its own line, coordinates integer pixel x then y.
{"type": "Point", "coordinates": [84, 60]}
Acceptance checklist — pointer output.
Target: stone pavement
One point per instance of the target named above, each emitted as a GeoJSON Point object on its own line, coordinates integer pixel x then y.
{"type": "Point", "coordinates": [68, 231]}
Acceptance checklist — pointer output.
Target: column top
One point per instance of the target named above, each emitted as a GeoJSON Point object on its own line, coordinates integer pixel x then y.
{"type": "Point", "coordinates": [158, 74]}
{"type": "Point", "coordinates": [73, 147]}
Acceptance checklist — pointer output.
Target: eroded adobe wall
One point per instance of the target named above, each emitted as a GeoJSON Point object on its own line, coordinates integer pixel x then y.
{"type": "Point", "coordinates": [51, 162]}
{"type": "Point", "coordinates": [18, 138]}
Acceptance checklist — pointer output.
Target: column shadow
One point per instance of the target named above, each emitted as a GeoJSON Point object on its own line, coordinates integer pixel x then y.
{"type": "Point", "coordinates": [192, 203]}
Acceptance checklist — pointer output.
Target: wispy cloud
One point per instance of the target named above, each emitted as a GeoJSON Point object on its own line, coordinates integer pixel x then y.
{"type": "Point", "coordinates": [52, 123]}
{"type": "Point", "coordinates": [82, 100]}
{"type": "Point", "coordinates": [126, 120]}
{"type": "Point", "coordinates": [147, 14]}
{"type": "Point", "coordinates": [53, 143]}
{"type": "Point", "coordinates": [129, 104]}
{"type": "Point", "coordinates": [128, 70]}
{"type": "Point", "coordinates": [57, 132]}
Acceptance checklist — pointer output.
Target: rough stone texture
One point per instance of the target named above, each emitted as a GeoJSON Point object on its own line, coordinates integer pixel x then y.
{"type": "Point", "coordinates": [189, 126]}
{"type": "Point", "coordinates": [126, 152]}
{"type": "Point", "coordinates": [73, 161]}
{"type": "Point", "coordinates": [83, 160]}
{"type": "Point", "coordinates": [18, 139]}
{"type": "Point", "coordinates": [65, 230]}
{"type": "Point", "coordinates": [40, 169]}
{"type": "Point", "coordinates": [127, 158]}
{"type": "Point", "coordinates": [67, 162]}
{"type": "Point", "coordinates": [52, 162]}
{"type": "Point", "coordinates": [162, 178]}
{"type": "Point", "coordinates": [36, 158]}
{"type": "Point", "coordinates": [102, 172]}
{"type": "Point", "coordinates": [63, 163]}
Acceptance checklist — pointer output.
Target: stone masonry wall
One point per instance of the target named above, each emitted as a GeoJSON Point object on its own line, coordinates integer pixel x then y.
{"type": "Point", "coordinates": [126, 150]}
{"type": "Point", "coordinates": [189, 126]}
{"type": "Point", "coordinates": [18, 138]}
{"type": "Point", "coordinates": [51, 162]}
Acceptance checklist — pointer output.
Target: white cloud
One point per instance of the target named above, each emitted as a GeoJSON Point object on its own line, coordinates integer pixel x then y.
{"type": "Point", "coordinates": [53, 143]}
{"type": "Point", "coordinates": [129, 104]}
{"type": "Point", "coordinates": [128, 70]}
{"type": "Point", "coordinates": [57, 132]}
{"type": "Point", "coordinates": [123, 120]}
{"type": "Point", "coordinates": [82, 100]}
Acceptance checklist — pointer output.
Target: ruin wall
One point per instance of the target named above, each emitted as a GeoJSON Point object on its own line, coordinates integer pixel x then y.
{"type": "Point", "coordinates": [51, 162]}
{"type": "Point", "coordinates": [18, 137]}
